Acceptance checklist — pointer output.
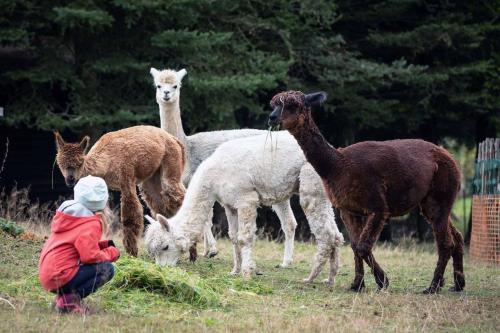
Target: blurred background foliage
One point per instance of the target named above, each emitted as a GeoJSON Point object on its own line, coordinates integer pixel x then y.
{"type": "Point", "coordinates": [405, 68]}
{"type": "Point", "coordinates": [392, 69]}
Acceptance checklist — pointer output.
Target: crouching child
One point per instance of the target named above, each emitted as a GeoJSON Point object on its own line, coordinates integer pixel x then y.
{"type": "Point", "coordinates": [74, 261]}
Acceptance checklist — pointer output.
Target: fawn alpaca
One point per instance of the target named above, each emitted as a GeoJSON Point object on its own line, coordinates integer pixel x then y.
{"type": "Point", "coordinates": [371, 181]}
{"type": "Point", "coordinates": [139, 155]}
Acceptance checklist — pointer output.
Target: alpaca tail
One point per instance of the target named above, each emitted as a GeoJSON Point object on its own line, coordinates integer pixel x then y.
{"type": "Point", "coordinates": [447, 177]}
{"type": "Point", "coordinates": [339, 239]}
{"type": "Point", "coordinates": [174, 195]}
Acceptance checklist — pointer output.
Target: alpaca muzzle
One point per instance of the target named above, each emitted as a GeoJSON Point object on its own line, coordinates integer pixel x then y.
{"type": "Point", "coordinates": [70, 182]}
{"type": "Point", "coordinates": [275, 116]}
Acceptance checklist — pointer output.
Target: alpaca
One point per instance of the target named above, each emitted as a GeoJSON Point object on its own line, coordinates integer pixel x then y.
{"type": "Point", "coordinates": [201, 145]}
{"type": "Point", "coordinates": [143, 155]}
{"type": "Point", "coordinates": [372, 181]}
{"type": "Point", "coordinates": [241, 175]}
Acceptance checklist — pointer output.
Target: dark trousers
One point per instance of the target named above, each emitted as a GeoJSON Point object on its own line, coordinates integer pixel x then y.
{"type": "Point", "coordinates": [88, 279]}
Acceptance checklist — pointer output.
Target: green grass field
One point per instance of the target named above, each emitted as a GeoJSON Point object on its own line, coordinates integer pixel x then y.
{"type": "Point", "coordinates": [461, 213]}
{"type": "Point", "coordinates": [276, 301]}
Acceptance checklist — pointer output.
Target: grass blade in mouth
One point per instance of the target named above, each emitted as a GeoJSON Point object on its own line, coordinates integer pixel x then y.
{"type": "Point", "coordinates": [269, 129]}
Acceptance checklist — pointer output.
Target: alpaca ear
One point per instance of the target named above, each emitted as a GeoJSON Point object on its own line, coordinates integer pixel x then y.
{"type": "Point", "coordinates": [154, 71]}
{"type": "Point", "coordinates": [84, 144]}
{"type": "Point", "coordinates": [315, 99]}
{"type": "Point", "coordinates": [163, 221]}
{"type": "Point", "coordinates": [59, 141]}
{"type": "Point", "coordinates": [181, 74]}
{"type": "Point", "coordinates": [150, 219]}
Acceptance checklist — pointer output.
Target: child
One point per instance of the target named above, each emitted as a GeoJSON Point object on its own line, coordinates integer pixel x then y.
{"type": "Point", "coordinates": [74, 262]}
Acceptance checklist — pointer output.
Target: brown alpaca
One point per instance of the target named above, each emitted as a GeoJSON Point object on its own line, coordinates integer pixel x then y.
{"type": "Point", "coordinates": [372, 181]}
{"type": "Point", "coordinates": [141, 155]}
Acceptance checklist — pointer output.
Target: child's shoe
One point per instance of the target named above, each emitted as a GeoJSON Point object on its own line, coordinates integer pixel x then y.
{"type": "Point", "coordinates": [70, 303]}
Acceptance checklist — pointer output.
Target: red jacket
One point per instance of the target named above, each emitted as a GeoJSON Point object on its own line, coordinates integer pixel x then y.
{"type": "Point", "coordinates": [73, 240]}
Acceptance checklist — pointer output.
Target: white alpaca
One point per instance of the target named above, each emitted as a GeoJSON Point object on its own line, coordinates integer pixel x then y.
{"type": "Point", "coordinates": [242, 175]}
{"type": "Point", "coordinates": [201, 145]}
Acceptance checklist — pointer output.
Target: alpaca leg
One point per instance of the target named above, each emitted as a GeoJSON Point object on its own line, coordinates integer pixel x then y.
{"type": "Point", "coordinates": [354, 225]}
{"type": "Point", "coordinates": [151, 194]}
{"type": "Point", "coordinates": [369, 235]}
{"type": "Point", "coordinates": [171, 182]}
{"type": "Point", "coordinates": [439, 219]}
{"type": "Point", "coordinates": [358, 283]}
{"type": "Point", "coordinates": [334, 265]}
{"type": "Point", "coordinates": [246, 232]}
{"type": "Point", "coordinates": [320, 259]}
{"type": "Point", "coordinates": [232, 221]}
{"type": "Point", "coordinates": [288, 225]}
{"type": "Point", "coordinates": [131, 216]}
{"type": "Point", "coordinates": [443, 239]}
{"type": "Point", "coordinates": [209, 241]}
{"type": "Point", "coordinates": [457, 254]}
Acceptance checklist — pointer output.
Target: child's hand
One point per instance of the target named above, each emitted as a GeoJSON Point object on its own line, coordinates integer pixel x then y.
{"type": "Point", "coordinates": [106, 243]}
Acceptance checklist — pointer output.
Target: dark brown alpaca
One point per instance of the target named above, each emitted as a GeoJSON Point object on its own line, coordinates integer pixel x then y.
{"type": "Point", "coordinates": [372, 181]}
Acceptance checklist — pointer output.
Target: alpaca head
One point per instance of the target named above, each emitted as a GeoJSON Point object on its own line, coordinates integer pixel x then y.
{"type": "Point", "coordinates": [292, 108]}
{"type": "Point", "coordinates": [167, 84]}
{"type": "Point", "coordinates": [70, 158]}
{"type": "Point", "coordinates": [161, 242]}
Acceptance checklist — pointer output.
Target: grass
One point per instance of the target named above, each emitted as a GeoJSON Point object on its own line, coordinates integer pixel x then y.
{"type": "Point", "coordinates": [458, 211]}
{"type": "Point", "coordinates": [274, 301]}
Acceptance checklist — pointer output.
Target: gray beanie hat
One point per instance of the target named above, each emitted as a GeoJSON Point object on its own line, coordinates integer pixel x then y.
{"type": "Point", "coordinates": [92, 192]}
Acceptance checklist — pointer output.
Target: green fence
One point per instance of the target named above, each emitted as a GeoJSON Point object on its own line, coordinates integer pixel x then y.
{"type": "Point", "coordinates": [487, 175]}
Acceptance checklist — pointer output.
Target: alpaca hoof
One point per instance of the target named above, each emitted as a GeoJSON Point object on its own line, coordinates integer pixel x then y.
{"type": "Point", "coordinates": [357, 287]}
{"type": "Point", "coordinates": [455, 289]}
{"type": "Point", "coordinates": [132, 251]}
{"type": "Point", "coordinates": [258, 272]}
{"type": "Point", "coordinates": [247, 275]}
{"type": "Point", "coordinates": [459, 280]}
{"type": "Point", "coordinates": [234, 272]}
{"type": "Point", "coordinates": [329, 282]}
{"type": "Point", "coordinates": [211, 254]}
{"type": "Point", "coordinates": [383, 285]}
{"type": "Point", "coordinates": [430, 291]}
{"type": "Point", "coordinates": [284, 264]}
{"type": "Point", "coordinates": [434, 287]}
{"type": "Point", "coordinates": [307, 281]}
{"type": "Point", "coordinates": [193, 253]}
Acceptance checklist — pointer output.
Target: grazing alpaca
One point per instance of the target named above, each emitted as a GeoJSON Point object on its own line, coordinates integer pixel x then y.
{"type": "Point", "coordinates": [242, 175]}
{"type": "Point", "coordinates": [372, 181]}
{"type": "Point", "coordinates": [201, 145]}
{"type": "Point", "coordinates": [144, 155]}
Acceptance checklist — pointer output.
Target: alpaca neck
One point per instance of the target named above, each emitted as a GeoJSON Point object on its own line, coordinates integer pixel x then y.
{"type": "Point", "coordinates": [190, 220]}
{"type": "Point", "coordinates": [170, 119]}
{"type": "Point", "coordinates": [92, 167]}
{"type": "Point", "coordinates": [326, 160]}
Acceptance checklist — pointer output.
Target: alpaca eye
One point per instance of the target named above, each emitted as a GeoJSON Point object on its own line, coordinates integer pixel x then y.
{"type": "Point", "coordinates": [165, 248]}
{"type": "Point", "coordinates": [175, 87]}
{"type": "Point", "coordinates": [158, 86]}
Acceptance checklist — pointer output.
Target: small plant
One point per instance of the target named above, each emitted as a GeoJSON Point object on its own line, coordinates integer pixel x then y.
{"type": "Point", "coordinates": [10, 227]}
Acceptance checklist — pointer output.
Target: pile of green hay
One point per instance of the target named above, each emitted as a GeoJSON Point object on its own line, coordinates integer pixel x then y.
{"type": "Point", "coordinates": [174, 284]}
